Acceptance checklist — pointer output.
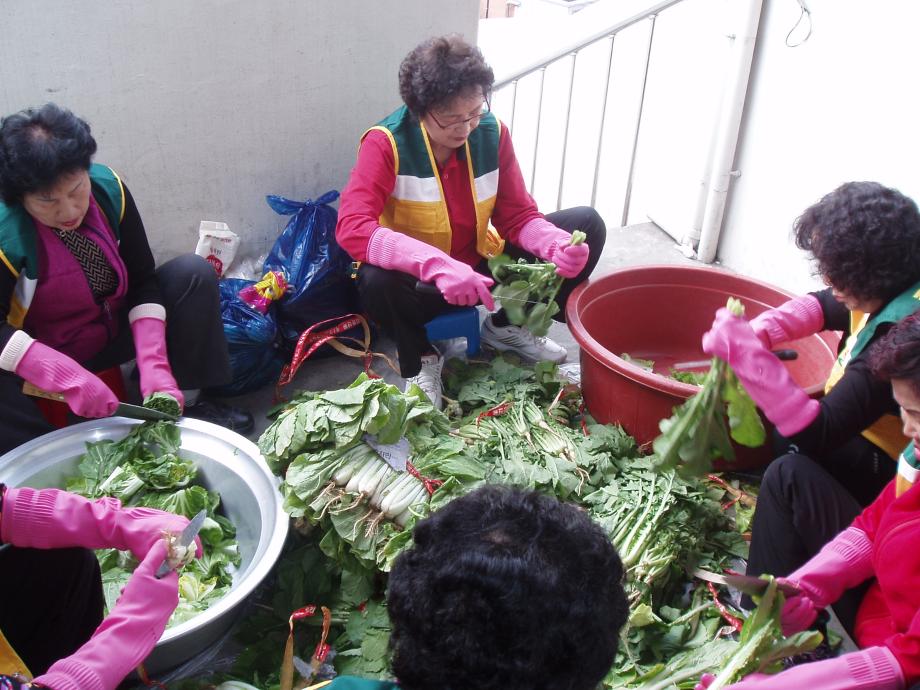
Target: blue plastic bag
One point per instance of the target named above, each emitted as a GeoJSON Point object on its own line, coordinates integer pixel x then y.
{"type": "Point", "coordinates": [252, 339]}
{"type": "Point", "coordinates": [316, 267]}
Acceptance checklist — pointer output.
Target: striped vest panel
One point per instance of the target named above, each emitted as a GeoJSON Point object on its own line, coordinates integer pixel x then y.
{"type": "Point", "coordinates": [416, 206]}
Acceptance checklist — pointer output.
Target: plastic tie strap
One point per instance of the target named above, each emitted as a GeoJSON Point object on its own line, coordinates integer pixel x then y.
{"type": "Point", "coordinates": [147, 680]}
{"type": "Point", "coordinates": [496, 411]}
{"type": "Point", "coordinates": [733, 621]}
{"type": "Point", "coordinates": [431, 485]}
{"type": "Point", "coordinates": [319, 654]}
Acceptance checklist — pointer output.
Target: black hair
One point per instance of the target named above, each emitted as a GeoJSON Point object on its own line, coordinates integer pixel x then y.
{"type": "Point", "coordinates": [440, 69]}
{"type": "Point", "coordinates": [897, 354]}
{"type": "Point", "coordinates": [506, 589]}
{"type": "Point", "coordinates": [38, 146]}
{"type": "Point", "coordinates": [866, 239]}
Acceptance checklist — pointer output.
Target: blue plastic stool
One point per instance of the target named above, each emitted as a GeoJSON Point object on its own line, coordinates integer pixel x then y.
{"type": "Point", "coordinates": [463, 323]}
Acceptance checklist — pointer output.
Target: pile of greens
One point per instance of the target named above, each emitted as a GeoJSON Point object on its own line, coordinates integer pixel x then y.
{"type": "Point", "coordinates": [145, 469]}
{"type": "Point", "coordinates": [663, 526]}
{"type": "Point", "coordinates": [340, 418]}
{"type": "Point", "coordinates": [696, 433]}
{"type": "Point", "coordinates": [331, 448]}
{"type": "Point", "coordinates": [305, 575]}
{"type": "Point", "coordinates": [513, 425]}
{"type": "Point", "coordinates": [761, 646]}
{"type": "Point", "coordinates": [340, 454]}
{"type": "Point", "coordinates": [527, 291]}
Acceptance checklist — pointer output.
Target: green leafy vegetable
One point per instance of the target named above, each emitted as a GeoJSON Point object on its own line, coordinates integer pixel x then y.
{"type": "Point", "coordinates": [163, 402]}
{"type": "Point", "coordinates": [647, 364]}
{"type": "Point", "coordinates": [527, 291]}
{"type": "Point", "coordinates": [696, 434]}
{"type": "Point", "coordinates": [694, 378]}
{"type": "Point", "coordinates": [761, 644]}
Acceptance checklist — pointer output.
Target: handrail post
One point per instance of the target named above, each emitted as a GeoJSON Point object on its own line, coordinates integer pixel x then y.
{"type": "Point", "coordinates": [513, 107]}
{"type": "Point", "coordinates": [635, 145]}
{"type": "Point", "coordinates": [600, 135]}
{"type": "Point", "coordinates": [565, 132]}
{"type": "Point", "coordinates": [536, 138]}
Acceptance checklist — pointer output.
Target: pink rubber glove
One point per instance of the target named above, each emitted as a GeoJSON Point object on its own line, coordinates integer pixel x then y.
{"type": "Point", "coordinates": [51, 519]}
{"type": "Point", "coordinates": [457, 281]}
{"type": "Point", "coordinates": [764, 377]}
{"type": "Point", "coordinates": [83, 391]}
{"type": "Point", "coordinates": [844, 562]}
{"type": "Point", "coordinates": [127, 635]}
{"type": "Point", "coordinates": [545, 240]}
{"type": "Point", "coordinates": [873, 668]}
{"type": "Point", "coordinates": [797, 318]}
{"type": "Point", "coordinates": [152, 363]}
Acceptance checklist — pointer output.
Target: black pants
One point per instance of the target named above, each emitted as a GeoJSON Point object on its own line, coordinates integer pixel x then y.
{"type": "Point", "coordinates": [389, 297]}
{"type": "Point", "coordinates": [51, 602]}
{"type": "Point", "coordinates": [861, 467]}
{"type": "Point", "coordinates": [195, 343]}
{"type": "Point", "coordinates": [801, 507]}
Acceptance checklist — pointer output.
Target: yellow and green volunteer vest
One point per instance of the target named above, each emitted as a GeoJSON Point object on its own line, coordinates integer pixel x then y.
{"type": "Point", "coordinates": [416, 206]}
{"type": "Point", "coordinates": [908, 469]}
{"type": "Point", "coordinates": [18, 247]}
{"type": "Point", "coordinates": [886, 433]}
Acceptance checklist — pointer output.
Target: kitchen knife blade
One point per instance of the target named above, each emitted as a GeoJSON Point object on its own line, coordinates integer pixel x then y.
{"type": "Point", "coordinates": [186, 537]}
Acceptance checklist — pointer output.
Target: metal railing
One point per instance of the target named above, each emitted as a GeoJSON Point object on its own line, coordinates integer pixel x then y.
{"type": "Point", "coordinates": [572, 51]}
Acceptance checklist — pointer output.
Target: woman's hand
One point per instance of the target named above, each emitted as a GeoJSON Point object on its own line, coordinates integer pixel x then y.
{"type": "Point", "coordinates": [873, 668]}
{"type": "Point", "coordinates": [765, 378]}
{"type": "Point", "coordinates": [457, 281]}
{"type": "Point", "coordinates": [126, 636]}
{"type": "Point", "coordinates": [150, 346]}
{"type": "Point", "coordinates": [53, 371]}
{"type": "Point", "coordinates": [545, 241]}
{"type": "Point", "coordinates": [570, 260]}
{"type": "Point", "coordinates": [52, 519]}
{"type": "Point", "coordinates": [463, 286]}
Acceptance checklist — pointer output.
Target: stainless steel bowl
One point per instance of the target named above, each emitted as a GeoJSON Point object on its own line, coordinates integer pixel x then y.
{"type": "Point", "coordinates": [227, 463]}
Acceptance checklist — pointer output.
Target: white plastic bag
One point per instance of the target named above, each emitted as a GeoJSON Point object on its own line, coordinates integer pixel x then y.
{"type": "Point", "coordinates": [246, 267]}
{"type": "Point", "coordinates": [218, 244]}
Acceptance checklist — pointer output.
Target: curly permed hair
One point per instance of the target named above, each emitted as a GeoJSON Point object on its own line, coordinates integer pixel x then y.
{"type": "Point", "coordinates": [440, 69]}
{"type": "Point", "coordinates": [865, 238]}
{"type": "Point", "coordinates": [506, 589]}
{"type": "Point", "coordinates": [897, 354]}
{"type": "Point", "coordinates": [38, 146]}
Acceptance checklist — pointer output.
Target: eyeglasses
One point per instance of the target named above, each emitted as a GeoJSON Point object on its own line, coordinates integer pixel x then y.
{"type": "Point", "coordinates": [456, 123]}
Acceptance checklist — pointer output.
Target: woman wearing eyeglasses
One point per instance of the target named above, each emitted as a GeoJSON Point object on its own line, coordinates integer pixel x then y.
{"type": "Point", "coordinates": [435, 192]}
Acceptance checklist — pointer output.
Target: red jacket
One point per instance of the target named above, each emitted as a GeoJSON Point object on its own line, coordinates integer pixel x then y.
{"type": "Point", "coordinates": [373, 179]}
{"type": "Point", "coordinates": [889, 614]}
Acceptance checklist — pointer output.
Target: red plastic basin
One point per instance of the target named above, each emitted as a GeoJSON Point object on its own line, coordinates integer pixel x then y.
{"type": "Point", "coordinates": [660, 313]}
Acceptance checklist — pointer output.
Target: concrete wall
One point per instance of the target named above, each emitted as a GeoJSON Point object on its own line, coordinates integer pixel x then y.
{"type": "Point", "coordinates": [205, 107]}
{"type": "Point", "coordinates": [842, 106]}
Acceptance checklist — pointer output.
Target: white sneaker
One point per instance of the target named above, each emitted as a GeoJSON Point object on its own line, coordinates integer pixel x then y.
{"type": "Point", "coordinates": [522, 342]}
{"type": "Point", "coordinates": [429, 379]}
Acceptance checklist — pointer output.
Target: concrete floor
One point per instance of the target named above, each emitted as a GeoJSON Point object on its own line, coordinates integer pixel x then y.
{"type": "Point", "coordinates": [630, 246]}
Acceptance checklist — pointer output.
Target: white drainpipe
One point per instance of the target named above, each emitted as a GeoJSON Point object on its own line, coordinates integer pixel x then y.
{"type": "Point", "coordinates": [725, 140]}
